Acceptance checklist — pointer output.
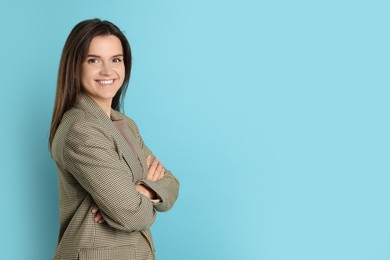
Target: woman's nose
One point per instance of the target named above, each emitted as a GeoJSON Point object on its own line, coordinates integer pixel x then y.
{"type": "Point", "coordinates": [106, 69]}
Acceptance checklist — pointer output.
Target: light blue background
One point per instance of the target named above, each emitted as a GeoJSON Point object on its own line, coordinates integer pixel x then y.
{"type": "Point", "coordinates": [274, 115]}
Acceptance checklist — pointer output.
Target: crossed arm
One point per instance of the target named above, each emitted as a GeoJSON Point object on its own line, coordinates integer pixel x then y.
{"type": "Point", "coordinates": [155, 173]}
{"type": "Point", "coordinates": [90, 156]}
{"type": "Point", "coordinates": [95, 164]}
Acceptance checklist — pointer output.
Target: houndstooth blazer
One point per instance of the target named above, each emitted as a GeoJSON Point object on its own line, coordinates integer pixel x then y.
{"type": "Point", "coordinates": [96, 165]}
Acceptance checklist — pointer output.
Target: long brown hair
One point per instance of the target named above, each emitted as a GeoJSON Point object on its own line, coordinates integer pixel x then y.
{"type": "Point", "coordinates": [69, 74]}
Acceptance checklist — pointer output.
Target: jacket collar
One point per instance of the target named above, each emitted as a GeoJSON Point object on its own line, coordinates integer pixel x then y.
{"type": "Point", "coordinates": [86, 103]}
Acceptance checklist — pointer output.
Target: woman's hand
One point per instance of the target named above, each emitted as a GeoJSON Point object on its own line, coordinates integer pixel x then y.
{"type": "Point", "coordinates": [98, 216]}
{"type": "Point", "coordinates": [155, 172]}
{"type": "Point", "coordinates": [156, 169]}
{"type": "Point", "coordinates": [145, 191]}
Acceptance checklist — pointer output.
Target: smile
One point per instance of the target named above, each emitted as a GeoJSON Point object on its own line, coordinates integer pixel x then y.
{"type": "Point", "coordinates": [106, 82]}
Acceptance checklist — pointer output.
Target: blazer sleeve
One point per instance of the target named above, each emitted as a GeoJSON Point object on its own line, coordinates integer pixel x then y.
{"type": "Point", "coordinates": [168, 187]}
{"type": "Point", "coordinates": [91, 157]}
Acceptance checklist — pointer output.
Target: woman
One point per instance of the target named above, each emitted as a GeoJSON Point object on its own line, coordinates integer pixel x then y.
{"type": "Point", "coordinates": [110, 183]}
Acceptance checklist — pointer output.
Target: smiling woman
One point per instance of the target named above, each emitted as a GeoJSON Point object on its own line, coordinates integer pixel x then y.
{"type": "Point", "coordinates": [110, 183]}
{"type": "Point", "coordinates": [103, 71]}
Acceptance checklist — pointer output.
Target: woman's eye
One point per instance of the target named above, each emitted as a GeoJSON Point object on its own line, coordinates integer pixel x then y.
{"type": "Point", "coordinates": [92, 61]}
{"type": "Point", "coordinates": [116, 60]}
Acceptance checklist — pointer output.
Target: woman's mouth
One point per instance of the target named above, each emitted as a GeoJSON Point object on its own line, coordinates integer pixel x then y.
{"type": "Point", "coordinates": [105, 82]}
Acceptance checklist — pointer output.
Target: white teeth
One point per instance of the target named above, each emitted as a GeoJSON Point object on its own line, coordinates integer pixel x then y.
{"type": "Point", "coordinates": [106, 82]}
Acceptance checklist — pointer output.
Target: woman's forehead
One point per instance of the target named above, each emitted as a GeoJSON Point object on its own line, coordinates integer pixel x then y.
{"type": "Point", "coordinates": [105, 45]}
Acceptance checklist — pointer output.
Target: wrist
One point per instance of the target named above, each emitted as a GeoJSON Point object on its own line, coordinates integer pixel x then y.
{"type": "Point", "coordinates": [146, 191]}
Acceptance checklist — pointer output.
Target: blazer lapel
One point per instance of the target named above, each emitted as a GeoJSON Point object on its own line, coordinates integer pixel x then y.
{"type": "Point", "coordinates": [87, 104]}
{"type": "Point", "coordinates": [136, 145]}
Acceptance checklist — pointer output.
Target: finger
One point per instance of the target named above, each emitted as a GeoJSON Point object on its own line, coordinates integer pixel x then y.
{"type": "Point", "coordinates": [159, 167]}
{"type": "Point", "coordinates": [154, 164]}
{"type": "Point", "coordinates": [99, 218]}
{"type": "Point", "coordinates": [148, 160]}
{"type": "Point", "coordinates": [157, 172]}
{"type": "Point", "coordinates": [152, 169]}
{"type": "Point", "coordinates": [162, 174]}
{"type": "Point", "coordinates": [159, 175]}
{"type": "Point", "coordinates": [95, 209]}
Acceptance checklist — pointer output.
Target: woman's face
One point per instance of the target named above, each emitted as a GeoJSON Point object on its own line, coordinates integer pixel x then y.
{"type": "Point", "coordinates": [103, 71]}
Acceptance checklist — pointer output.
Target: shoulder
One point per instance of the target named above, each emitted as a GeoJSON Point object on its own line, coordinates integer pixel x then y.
{"type": "Point", "coordinates": [71, 120]}
{"type": "Point", "coordinates": [79, 124]}
{"type": "Point", "coordinates": [76, 118]}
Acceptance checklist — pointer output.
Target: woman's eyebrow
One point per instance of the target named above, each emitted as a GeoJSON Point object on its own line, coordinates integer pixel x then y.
{"type": "Point", "coordinates": [97, 56]}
